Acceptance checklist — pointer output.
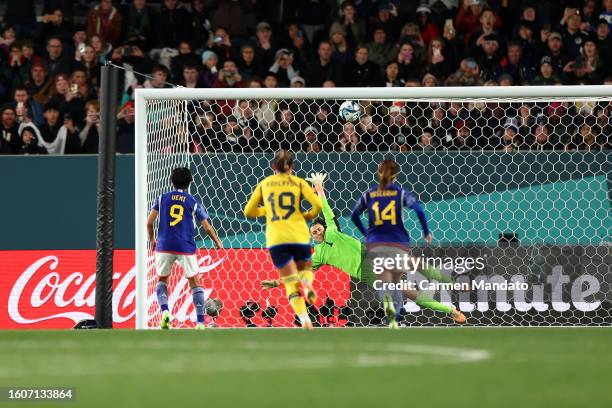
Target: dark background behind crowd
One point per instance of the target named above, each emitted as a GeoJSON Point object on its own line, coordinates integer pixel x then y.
{"type": "Point", "coordinates": [51, 53]}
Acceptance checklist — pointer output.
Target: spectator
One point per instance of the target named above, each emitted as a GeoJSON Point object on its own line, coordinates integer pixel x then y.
{"type": "Point", "coordinates": [467, 17]}
{"type": "Point", "coordinates": [511, 141]}
{"type": "Point", "coordinates": [453, 48]}
{"type": "Point", "coordinates": [521, 70]}
{"type": "Point", "coordinates": [283, 68]}
{"type": "Point", "coordinates": [296, 43]}
{"type": "Point", "coordinates": [100, 47]}
{"type": "Point", "coordinates": [79, 80]}
{"type": "Point", "coordinates": [10, 143]}
{"type": "Point", "coordinates": [354, 26]}
{"type": "Point", "coordinates": [222, 45]}
{"type": "Point", "coordinates": [172, 25]}
{"type": "Point", "coordinates": [392, 78]}
{"type": "Point", "coordinates": [209, 72]}
{"type": "Point", "coordinates": [67, 98]}
{"type": "Point", "coordinates": [284, 133]}
{"type": "Point", "coordinates": [606, 12]}
{"type": "Point", "coordinates": [428, 29]}
{"type": "Point", "coordinates": [468, 74]}
{"type": "Point", "coordinates": [13, 71]}
{"type": "Point", "coordinates": [437, 64]}
{"type": "Point", "coordinates": [125, 128]}
{"type": "Point", "coordinates": [313, 15]}
{"type": "Point", "coordinates": [311, 142]}
{"type": "Point", "coordinates": [584, 139]}
{"type": "Point", "coordinates": [398, 135]}
{"type": "Point", "coordinates": [525, 39]}
{"type": "Point", "coordinates": [185, 57]}
{"type": "Point", "coordinates": [573, 37]}
{"type": "Point", "coordinates": [228, 78]}
{"type": "Point", "coordinates": [604, 43]}
{"type": "Point", "coordinates": [106, 21]}
{"type": "Point", "coordinates": [139, 23]}
{"type": "Point", "coordinates": [411, 34]}
{"type": "Point", "coordinates": [191, 77]}
{"type": "Point", "coordinates": [90, 64]}
{"type": "Point", "coordinates": [558, 58]}
{"type": "Point", "coordinates": [386, 17]}
{"type": "Point", "coordinates": [56, 62]}
{"type": "Point", "coordinates": [408, 67]}
{"type": "Point", "coordinates": [324, 68]}
{"type": "Point", "coordinates": [337, 38]}
{"type": "Point", "coordinates": [487, 29]}
{"type": "Point", "coordinates": [90, 135]}
{"type": "Point", "coordinates": [349, 140]}
{"type": "Point", "coordinates": [542, 139]}
{"type": "Point", "coordinates": [56, 26]}
{"type": "Point", "coordinates": [21, 96]}
{"type": "Point", "coordinates": [38, 85]}
{"type": "Point", "coordinates": [159, 77]}
{"type": "Point", "coordinates": [297, 82]}
{"type": "Point", "coordinates": [547, 75]}
{"type": "Point", "coordinates": [200, 20]}
{"type": "Point", "coordinates": [426, 141]}
{"type": "Point", "coordinates": [246, 63]}
{"type": "Point", "coordinates": [362, 72]}
{"type": "Point", "coordinates": [58, 139]}
{"type": "Point", "coordinates": [7, 38]}
{"type": "Point", "coordinates": [463, 139]}
{"type": "Point", "coordinates": [381, 51]}
{"type": "Point", "coordinates": [29, 142]}
{"type": "Point", "coordinates": [203, 132]}
{"type": "Point", "coordinates": [429, 80]}
{"type": "Point", "coordinates": [264, 48]}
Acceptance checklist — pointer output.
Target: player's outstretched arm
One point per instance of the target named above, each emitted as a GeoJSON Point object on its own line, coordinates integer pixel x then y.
{"type": "Point", "coordinates": [150, 221]}
{"type": "Point", "coordinates": [252, 207]}
{"type": "Point", "coordinates": [212, 233]}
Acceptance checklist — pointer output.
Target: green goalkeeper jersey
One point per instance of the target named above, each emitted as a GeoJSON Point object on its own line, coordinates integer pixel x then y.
{"type": "Point", "coordinates": [337, 249]}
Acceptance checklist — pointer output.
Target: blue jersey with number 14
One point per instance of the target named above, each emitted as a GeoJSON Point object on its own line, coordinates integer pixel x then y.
{"type": "Point", "coordinates": [384, 209]}
{"type": "Point", "coordinates": [178, 213]}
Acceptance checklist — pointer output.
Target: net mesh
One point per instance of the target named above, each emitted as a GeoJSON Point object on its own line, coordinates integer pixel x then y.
{"type": "Point", "coordinates": [522, 184]}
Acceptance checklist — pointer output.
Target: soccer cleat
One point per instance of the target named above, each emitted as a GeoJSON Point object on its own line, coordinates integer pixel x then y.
{"type": "Point", "coordinates": [307, 324]}
{"type": "Point", "coordinates": [390, 312]}
{"type": "Point", "coordinates": [165, 320]}
{"type": "Point", "coordinates": [457, 316]}
{"type": "Point", "coordinates": [270, 283]}
{"type": "Point", "coordinates": [200, 326]}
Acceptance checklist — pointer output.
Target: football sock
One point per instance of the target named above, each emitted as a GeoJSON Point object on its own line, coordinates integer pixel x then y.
{"type": "Point", "coordinates": [398, 302]}
{"type": "Point", "coordinates": [162, 295]}
{"type": "Point", "coordinates": [306, 275]}
{"type": "Point", "coordinates": [429, 303]}
{"type": "Point", "coordinates": [197, 294]}
{"type": "Point", "coordinates": [435, 274]}
{"type": "Point", "coordinates": [295, 298]}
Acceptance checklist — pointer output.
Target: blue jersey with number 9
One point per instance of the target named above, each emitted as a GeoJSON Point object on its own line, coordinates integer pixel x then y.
{"type": "Point", "coordinates": [384, 209]}
{"type": "Point", "coordinates": [178, 213]}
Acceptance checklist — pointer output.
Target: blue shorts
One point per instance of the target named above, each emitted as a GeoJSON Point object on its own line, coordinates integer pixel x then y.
{"type": "Point", "coordinates": [282, 254]}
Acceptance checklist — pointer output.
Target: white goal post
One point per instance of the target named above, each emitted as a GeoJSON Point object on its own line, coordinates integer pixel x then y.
{"type": "Point", "coordinates": [164, 139]}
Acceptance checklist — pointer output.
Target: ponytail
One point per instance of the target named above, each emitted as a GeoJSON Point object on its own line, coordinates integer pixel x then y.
{"type": "Point", "coordinates": [283, 161]}
{"type": "Point", "coordinates": [387, 171]}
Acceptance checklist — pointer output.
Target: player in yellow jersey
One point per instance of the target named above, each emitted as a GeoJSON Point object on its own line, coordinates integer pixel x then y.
{"type": "Point", "coordinates": [278, 197]}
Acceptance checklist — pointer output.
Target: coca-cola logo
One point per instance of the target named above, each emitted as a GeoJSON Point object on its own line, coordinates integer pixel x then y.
{"type": "Point", "coordinates": [41, 288]}
{"type": "Point", "coordinates": [44, 292]}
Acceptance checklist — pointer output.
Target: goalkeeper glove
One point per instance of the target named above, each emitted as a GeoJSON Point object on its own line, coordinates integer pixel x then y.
{"type": "Point", "coordinates": [317, 179]}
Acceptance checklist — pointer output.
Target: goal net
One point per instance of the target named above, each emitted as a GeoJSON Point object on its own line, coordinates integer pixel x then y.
{"type": "Point", "coordinates": [516, 184]}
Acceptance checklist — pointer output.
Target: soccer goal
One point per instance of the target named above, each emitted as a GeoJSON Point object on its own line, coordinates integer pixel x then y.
{"type": "Point", "coordinates": [515, 181]}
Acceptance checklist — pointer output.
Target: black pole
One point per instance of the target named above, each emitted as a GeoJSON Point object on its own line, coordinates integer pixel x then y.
{"type": "Point", "coordinates": [105, 218]}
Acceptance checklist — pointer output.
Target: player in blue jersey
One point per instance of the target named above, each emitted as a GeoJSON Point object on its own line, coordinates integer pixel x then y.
{"type": "Point", "coordinates": [178, 213]}
{"type": "Point", "coordinates": [386, 236]}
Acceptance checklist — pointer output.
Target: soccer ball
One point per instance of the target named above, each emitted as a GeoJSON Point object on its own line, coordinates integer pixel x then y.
{"type": "Point", "coordinates": [350, 111]}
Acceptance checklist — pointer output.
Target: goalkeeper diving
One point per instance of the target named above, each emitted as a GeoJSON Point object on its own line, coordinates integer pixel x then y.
{"type": "Point", "coordinates": [344, 252]}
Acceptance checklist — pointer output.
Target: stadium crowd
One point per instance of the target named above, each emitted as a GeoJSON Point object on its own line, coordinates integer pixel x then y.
{"type": "Point", "coordinates": [51, 53]}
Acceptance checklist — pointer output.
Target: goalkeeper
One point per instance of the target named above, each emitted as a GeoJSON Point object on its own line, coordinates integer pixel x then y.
{"type": "Point", "coordinates": [344, 252]}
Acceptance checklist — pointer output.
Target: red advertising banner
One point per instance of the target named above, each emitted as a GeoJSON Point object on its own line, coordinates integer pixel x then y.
{"type": "Point", "coordinates": [54, 289]}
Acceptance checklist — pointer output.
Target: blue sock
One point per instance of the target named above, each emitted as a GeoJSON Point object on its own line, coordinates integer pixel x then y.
{"type": "Point", "coordinates": [398, 302]}
{"type": "Point", "coordinates": [198, 301]}
{"type": "Point", "coordinates": [162, 295]}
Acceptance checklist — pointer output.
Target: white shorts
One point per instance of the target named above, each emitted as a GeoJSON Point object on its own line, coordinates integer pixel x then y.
{"type": "Point", "coordinates": [164, 262]}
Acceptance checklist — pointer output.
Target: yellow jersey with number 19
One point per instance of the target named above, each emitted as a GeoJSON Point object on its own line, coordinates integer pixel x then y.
{"type": "Point", "coordinates": [278, 197]}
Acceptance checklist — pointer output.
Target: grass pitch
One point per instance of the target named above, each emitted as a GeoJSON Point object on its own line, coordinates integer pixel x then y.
{"type": "Point", "coordinates": [457, 367]}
